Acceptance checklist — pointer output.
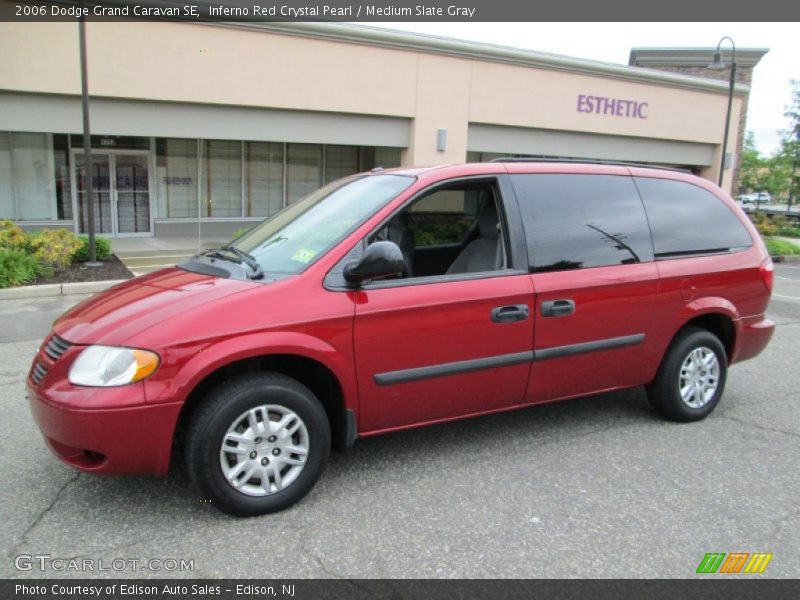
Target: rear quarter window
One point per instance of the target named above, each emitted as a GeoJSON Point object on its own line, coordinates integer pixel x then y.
{"type": "Point", "coordinates": [582, 221]}
{"type": "Point", "coordinates": [686, 219]}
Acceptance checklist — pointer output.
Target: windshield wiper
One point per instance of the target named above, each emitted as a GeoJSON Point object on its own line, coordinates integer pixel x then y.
{"type": "Point", "coordinates": [215, 253]}
{"type": "Point", "coordinates": [247, 259]}
{"type": "Point", "coordinates": [239, 257]}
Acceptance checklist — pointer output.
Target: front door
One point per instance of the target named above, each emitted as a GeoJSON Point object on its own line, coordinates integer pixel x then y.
{"type": "Point", "coordinates": [435, 351]}
{"type": "Point", "coordinates": [132, 194]}
{"type": "Point", "coordinates": [445, 341]}
{"type": "Point", "coordinates": [101, 193]}
{"type": "Point", "coordinates": [121, 193]}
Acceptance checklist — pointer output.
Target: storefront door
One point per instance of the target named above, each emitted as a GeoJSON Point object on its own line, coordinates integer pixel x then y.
{"type": "Point", "coordinates": [121, 193]}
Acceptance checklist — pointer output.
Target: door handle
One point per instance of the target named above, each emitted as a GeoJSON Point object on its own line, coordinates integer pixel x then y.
{"type": "Point", "coordinates": [557, 308]}
{"type": "Point", "coordinates": [510, 314]}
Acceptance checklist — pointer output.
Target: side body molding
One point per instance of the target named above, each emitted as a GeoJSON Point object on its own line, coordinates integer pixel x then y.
{"type": "Point", "coordinates": [504, 360]}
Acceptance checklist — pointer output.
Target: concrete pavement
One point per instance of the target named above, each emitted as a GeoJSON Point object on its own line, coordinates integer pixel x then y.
{"type": "Point", "coordinates": [596, 487]}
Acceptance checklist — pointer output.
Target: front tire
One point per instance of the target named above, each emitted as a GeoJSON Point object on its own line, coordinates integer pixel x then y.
{"type": "Point", "coordinates": [692, 376]}
{"type": "Point", "coordinates": [257, 444]}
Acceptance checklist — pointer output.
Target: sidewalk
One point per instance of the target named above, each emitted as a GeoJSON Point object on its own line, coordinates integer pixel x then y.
{"type": "Point", "coordinates": [143, 255]}
{"type": "Point", "coordinates": [139, 254]}
{"type": "Point", "coordinates": [57, 289]}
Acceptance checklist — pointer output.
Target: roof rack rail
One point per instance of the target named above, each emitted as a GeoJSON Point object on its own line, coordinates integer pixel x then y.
{"type": "Point", "coordinates": [589, 161]}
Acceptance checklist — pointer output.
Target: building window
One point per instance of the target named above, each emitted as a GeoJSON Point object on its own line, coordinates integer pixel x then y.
{"type": "Point", "coordinates": [245, 179]}
{"type": "Point", "coordinates": [304, 170]}
{"type": "Point", "coordinates": [63, 182]}
{"type": "Point", "coordinates": [387, 158]}
{"type": "Point", "coordinates": [473, 157]}
{"type": "Point", "coordinates": [340, 161]}
{"type": "Point", "coordinates": [176, 176]}
{"type": "Point", "coordinates": [27, 182]}
{"type": "Point", "coordinates": [7, 208]}
{"type": "Point", "coordinates": [376, 156]}
{"type": "Point", "coordinates": [221, 184]}
{"type": "Point", "coordinates": [263, 178]}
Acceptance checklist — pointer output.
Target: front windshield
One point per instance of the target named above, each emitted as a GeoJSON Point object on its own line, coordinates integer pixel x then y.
{"type": "Point", "coordinates": [288, 241]}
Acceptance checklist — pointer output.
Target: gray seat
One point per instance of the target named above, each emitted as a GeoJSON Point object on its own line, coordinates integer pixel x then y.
{"type": "Point", "coordinates": [484, 253]}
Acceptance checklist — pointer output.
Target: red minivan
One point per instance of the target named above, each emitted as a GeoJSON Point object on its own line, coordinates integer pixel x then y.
{"type": "Point", "coordinates": [400, 298]}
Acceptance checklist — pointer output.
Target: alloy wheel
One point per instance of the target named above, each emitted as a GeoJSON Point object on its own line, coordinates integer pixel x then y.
{"type": "Point", "coordinates": [264, 450]}
{"type": "Point", "coordinates": [699, 377]}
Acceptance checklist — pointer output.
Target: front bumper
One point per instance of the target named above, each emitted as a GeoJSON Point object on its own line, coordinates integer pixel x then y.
{"type": "Point", "coordinates": [120, 440]}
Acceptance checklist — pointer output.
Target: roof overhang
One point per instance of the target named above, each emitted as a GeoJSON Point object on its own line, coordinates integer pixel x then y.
{"type": "Point", "coordinates": [692, 57]}
{"type": "Point", "coordinates": [388, 38]}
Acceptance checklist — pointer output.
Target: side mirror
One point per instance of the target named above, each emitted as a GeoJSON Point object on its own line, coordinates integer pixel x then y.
{"type": "Point", "coordinates": [379, 260]}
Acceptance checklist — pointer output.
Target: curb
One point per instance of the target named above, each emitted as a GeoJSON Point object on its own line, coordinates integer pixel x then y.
{"type": "Point", "coordinates": [786, 258]}
{"type": "Point", "coordinates": [57, 289]}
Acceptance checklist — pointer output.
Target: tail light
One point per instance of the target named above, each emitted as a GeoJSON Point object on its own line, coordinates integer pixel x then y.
{"type": "Point", "coordinates": [767, 270]}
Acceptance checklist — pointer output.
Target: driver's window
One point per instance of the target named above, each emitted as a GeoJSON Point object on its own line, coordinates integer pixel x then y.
{"type": "Point", "coordinates": [451, 230]}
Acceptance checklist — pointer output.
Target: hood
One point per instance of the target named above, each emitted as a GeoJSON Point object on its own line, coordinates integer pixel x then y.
{"type": "Point", "coordinates": [113, 317]}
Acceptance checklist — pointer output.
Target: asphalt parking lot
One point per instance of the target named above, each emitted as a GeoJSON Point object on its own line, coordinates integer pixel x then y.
{"type": "Point", "coordinates": [596, 487]}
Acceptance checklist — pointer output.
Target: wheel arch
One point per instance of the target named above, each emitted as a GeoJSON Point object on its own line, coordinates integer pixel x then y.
{"type": "Point", "coordinates": [716, 315]}
{"type": "Point", "coordinates": [310, 372]}
{"type": "Point", "coordinates": [309, 360]}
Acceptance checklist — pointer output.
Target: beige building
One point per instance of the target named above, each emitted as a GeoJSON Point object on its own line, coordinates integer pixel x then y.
{"type": "Point", "coordinates": [224, 124]}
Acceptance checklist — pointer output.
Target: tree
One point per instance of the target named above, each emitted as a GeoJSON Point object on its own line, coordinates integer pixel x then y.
{"type": "Point", "coordinates": [752, 165]}
{"type": "Point", "coordinates": [788, 156]}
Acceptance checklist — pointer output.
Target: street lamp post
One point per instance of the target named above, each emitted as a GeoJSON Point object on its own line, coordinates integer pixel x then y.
{"type": "Point", "coordinates": [87, 146]}
{"type": "Point", "coordinates": [795, 165]}
{"type": "Point", "coordinates": [717, 64]}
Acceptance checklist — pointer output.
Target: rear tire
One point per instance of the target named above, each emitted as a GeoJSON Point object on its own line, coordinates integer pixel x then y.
{"type": "Point", "coordinates": [257, 444]}
{"type": "Point", "coordinates": [692, 376]}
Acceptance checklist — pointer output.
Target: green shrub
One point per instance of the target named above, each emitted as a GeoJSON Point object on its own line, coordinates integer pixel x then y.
{"type": "Point", "coordinates": [17, 268]}
{"type": "Point", "coordinates": [54, 247]}
{"type": "Point", "coordinates": [764, 224]}
{"type": "Point", "coordinates": [792, 232]}
{"type": "Point", "coordinates": [11, 235]}
{"type": "Point", "coordinates": [780, 221]}
{"type": "Point", "coordinates": [101, 245]}
{"type": "Point", "coordinates": [781, 247]}
{"type": "Point", "coordinates": [774, 225]}
{"type": "Point", "coordinates": [436, 229]}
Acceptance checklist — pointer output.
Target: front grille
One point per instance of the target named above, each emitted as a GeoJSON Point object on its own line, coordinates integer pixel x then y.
{"type": "Point", "coordinates": [38, 372]}
{"type": "Point", "coordinates": [55, 347]}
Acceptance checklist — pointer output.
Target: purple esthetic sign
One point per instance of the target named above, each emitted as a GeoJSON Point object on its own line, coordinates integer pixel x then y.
{"type": "Point", "coordinates": [616, 107]}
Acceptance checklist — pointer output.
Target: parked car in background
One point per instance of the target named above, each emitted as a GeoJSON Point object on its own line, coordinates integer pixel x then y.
{"type": "Point", "coordinates": [401, 298]}
{"type": "Point", "coordinates": [756, 198]}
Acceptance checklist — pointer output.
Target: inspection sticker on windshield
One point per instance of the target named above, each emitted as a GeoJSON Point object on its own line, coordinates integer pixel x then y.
{"type": "Point", "coordinates": [304, 255]}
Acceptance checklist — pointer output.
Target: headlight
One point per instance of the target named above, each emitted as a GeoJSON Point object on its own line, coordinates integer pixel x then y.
{"type": "Point", "coordinates": [105, 366]}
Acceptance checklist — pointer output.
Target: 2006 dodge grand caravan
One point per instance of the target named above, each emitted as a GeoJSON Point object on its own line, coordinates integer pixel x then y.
{"type": "Point", "coordinates": [401, 298]}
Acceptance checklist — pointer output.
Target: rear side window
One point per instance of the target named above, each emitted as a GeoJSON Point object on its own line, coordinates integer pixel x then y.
{"type": "Point", "coordinates": [582, 221]}
{"type": "Point", "coordinates": [687, 219]}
